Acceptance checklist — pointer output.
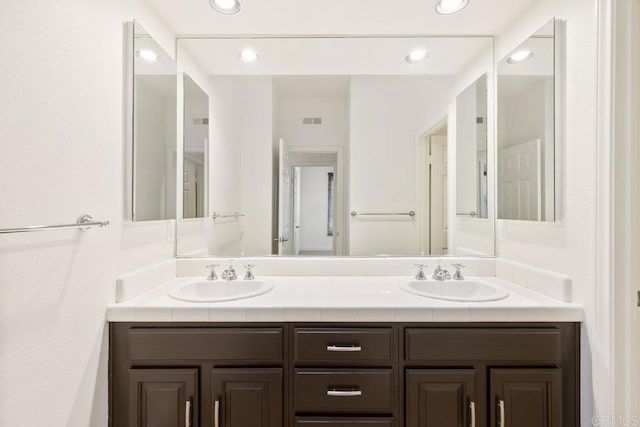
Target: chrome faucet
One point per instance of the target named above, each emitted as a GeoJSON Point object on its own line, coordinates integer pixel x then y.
{"type": "Point", "coordinates": [212, 272]}
{"type": "Point", "coordinates": [249, 274]}
{"type": "Point", "coordinates": [440, 274]}
{"type": "Point", "coordinates": [230, 273]}
{"type": "Point", "coordinates": [420, 274]}
{"type": "Point", "coordinates": [458, 274]}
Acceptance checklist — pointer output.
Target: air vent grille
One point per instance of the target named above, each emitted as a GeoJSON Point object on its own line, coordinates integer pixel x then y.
{"type": "Point", "coordinates": [312, 121]}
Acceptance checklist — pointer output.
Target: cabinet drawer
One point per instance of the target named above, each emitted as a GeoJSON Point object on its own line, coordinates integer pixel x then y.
{"type": "Point", "coordinates": [234, 345]}
{"type": "Point", "coordinates": [343, 422]}
{"type": "Point", "coordinates": [540, 345]}
{"type": "Point", "coordinates": [341, 390]}
{"type": "Point", "coordinates": [343, 345]}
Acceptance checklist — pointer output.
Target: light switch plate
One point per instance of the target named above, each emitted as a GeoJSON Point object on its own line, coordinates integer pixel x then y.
{"type": "Point", "coordinates": [502, 231]}
{"type": "Point", "coordinates": [171, 232]}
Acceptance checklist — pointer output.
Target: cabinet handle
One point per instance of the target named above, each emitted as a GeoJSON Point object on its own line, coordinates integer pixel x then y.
{"type": "Point", "coordinates": [344, 348]}
{"type": "Point", "coordinates": [501, 406]}
{"type": "Point", "coordinates": [472, 407]}
{"type": "Point", "coordinates": [344, 393]}
{"type": "Point", "coordinates": [187, 414]}
{"type": "Point", "coordinates": [216, 414]}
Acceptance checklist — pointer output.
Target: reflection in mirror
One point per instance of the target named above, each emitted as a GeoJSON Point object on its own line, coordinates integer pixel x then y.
{"type": "Point", "coordinates": [336, 146]}
{"type": "Point", "coordinates": [154, 130]}
{"type": "Point", "coordinates": [526, 129]}
{"type": "Point", "coordinates": [471, 151]}
{"type": "Point", "coordinates": [196, 142]}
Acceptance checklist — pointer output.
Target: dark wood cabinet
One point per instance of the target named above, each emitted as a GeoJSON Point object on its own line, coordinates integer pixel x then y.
{"type": "Point", "coordinates": [247, 397]}
{"type": "Point", "coordinates": [344, 375]}
{"type": "Point", "coordinates": [163, 398]}
{"type": "Point", "coordinates": [526, 397]}
{"type": "Point", "coordinates": [440, 397]}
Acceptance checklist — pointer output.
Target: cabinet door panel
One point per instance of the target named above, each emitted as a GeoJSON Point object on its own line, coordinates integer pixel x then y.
{"type": "Point", "coordinates": [343, 422]}
{"type": "Point", "coordinates": [163, 398]}
{"type": "Point", "coordinates": [439, 397]}
{"type": "Point", "coordinates": [526, 397]}
{"type": "Point", "coordinates": [248, 397]}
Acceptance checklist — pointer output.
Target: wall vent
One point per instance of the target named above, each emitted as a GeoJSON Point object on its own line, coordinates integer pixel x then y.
{"type": "Point", "coordinates": [201, 121]}
{"type": "Point", "coordinates": [312, 121]}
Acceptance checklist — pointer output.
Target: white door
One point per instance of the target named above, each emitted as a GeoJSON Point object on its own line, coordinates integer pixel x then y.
{"type": "Point", "coordinates": [284, 191]}
{"type": "Point", "coordinates": [438, 201]}
{"type": "Point", "coordinates": [189, 189]}
{"type": "Point", "coordinates": [520, 181]}
{"type": "Point", "coordinates": [296, 210]}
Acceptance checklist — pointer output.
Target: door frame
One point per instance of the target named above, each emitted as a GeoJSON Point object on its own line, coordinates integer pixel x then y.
{"type": "Point", "coordinates": [339, 237]}
{"type": "Point", "coordinates": [423, 236]}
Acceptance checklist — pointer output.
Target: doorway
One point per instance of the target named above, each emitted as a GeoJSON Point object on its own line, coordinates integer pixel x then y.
{"type": "Point", "coordinates": [435, 224]}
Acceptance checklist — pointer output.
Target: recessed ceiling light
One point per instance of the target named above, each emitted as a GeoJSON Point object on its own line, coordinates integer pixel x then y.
{"type": "Point", "coordinates": [447, 7]}
{"type": "Point", "coordinates": [249, 56]}
{"type": "Point", "coordinates": [227, 7]}
{"type": "Point", "coordinates": [147, 55]}
{"type": "Point", "coordinates": [520, 56]}
{"type": "Point", "coordinates": [416, 55]}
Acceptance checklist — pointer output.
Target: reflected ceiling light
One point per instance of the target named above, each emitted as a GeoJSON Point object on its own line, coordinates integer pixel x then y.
{"type": "Point", "coordinates": [249, 56]}
{"type": "Point", "coordinates": [147, 55]}
{"type": "Point", "coordinates": [416, 55]}
{"type": "Point", "coordinates": [447, 7]}
{"type": "Point", "coordinates": [227, 7]}
{"type": "Point", "coordinates": [520, 56]}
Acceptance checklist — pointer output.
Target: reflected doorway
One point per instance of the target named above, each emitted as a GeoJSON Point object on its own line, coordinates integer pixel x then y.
{"type": "Point", "coordinates": [435, 221]}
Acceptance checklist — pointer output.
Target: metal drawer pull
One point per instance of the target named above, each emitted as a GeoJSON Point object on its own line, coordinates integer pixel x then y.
{"type": "Point", "coordinates": [216, 414]}
{"type": "Point", "coordinates": [501, 406]}
{"type": "Point", "coordinates": [344, 348]}
{"type": "Point", "coordinates": [472, 406]}
{"type": "Point", "coordinates": [344, 393]}
{"type": "Point", "coordinates": [187, 414]}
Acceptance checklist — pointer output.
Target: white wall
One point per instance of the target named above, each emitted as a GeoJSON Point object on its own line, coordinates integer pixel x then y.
{"type": "Point", "coordinates": [314, 205]}
{"type": "Point", "coordinates": [569, 245]}
{"type": "Point", "coordinates": [388, 113]}
{"type": "Point", "coordinates": [61, 139]}
{"type": "Point", "coordinates": [334, 130]}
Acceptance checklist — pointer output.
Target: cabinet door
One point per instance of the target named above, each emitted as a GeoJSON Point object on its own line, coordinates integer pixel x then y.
{"type": "Point", "coordinates": [440, 397]}
{"type": "Point", "coordinates": [163, 398]}
{"type": "Point", "coordinates": [526, 397]}
{"type": "Point", "coordinates": [247, 397]}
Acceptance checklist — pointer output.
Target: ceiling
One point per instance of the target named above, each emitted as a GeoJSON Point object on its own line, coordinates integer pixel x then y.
{"type": "Point", "coordinates": [195, 17]}
{"type": "Point", "coordinates": [338, 56]}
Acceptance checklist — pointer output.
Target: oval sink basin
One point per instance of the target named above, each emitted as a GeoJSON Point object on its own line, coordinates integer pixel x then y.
{"type": "Point", "coordinates": [216, 291]}
{"type": "Point", "coordinates": [456, 290]}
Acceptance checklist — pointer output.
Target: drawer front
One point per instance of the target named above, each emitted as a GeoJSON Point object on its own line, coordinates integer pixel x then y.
{"type": "Point", "coordinates": [233, 345]}
{"type": "Point", "coordinates": [344, 391]}
{"type": "Point", "coordinates": [483, 344]}
{"type": "Point", "coordinates": [343, 422]}
{"type": "Point", "coordinates": [343, 345]}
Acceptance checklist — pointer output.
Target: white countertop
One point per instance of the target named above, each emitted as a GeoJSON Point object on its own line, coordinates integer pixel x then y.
{"type": "Point", "coordinates": [343, 299]}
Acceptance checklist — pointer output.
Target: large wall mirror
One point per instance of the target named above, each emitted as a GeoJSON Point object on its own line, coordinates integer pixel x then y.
{"type": "Point", "coordinates": [528, 143]}
{"type": "Point", "coordinates": [344, 146]}
{"type": "Point", "coordinates": [151, 129]}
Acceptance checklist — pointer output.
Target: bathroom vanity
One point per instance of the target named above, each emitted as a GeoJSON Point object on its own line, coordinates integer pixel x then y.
{"type": "Point", "coordinates": [344, 374]}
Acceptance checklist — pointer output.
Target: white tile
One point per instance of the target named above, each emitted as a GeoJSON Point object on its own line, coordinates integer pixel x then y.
{"type": "Point", "coordinates": [328, 267]}
{"type": "Point", "coordinates": [265, 314]}
{"type": "Point", "coordinates": [487, 267]}
{"type": "Point", "coordinates": [537, 280]}
{"type": "Point", "coordinates": [559, 287]}
{"type": "Point", "coordinates": [527, 314]}
{"type": "Point", "coordinates": [414, 314]}
{"type": "Point", "coordinates": [339, 315]}
{"type": "Point", "coordinates": [190, 314]}
{"type": "Point", "coordinates": [521, 275]}
{"type": "Point", "coordinates": [152, 314]}
{"type": "Point", "coordinates": [120, 314]}
{"type": "Point", "coordinates": [376, 314]}
{"type": "Point", "coordinates": [504, 269]}
{"type": "Point", "coordinates": [132, 284]}
{"type": "Point", "coordinates": [238, 314]}
{"type": "Point", "coordinates": [302, 314]}
{"type": "Point", "coordinates": [564, 314]}
{"type": "Point", "coordinates": [451, 314]}
{"type": "Point", "coordinates": [488, 314]}
{"type": "Point", "coordinates": [397, 266]}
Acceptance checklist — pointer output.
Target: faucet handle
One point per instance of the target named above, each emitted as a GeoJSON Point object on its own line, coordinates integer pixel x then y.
{"type": "Point", "coordinates": [212, 271]}
{"type": "Point", "coordinates": [458, 274]}
{"type": "Point", "coordinates": [420, 274]}
{"type": "Point", "coordinates": [249, 274]}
